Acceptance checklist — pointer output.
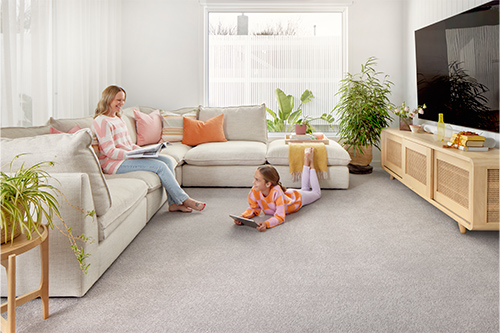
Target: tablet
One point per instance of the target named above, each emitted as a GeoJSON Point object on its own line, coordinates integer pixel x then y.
{"type": "Point", "coordinates": [247, 222]}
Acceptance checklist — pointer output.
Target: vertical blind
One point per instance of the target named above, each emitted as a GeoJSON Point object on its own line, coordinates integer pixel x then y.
{"type": "Point", "coordinates": [247, 70]}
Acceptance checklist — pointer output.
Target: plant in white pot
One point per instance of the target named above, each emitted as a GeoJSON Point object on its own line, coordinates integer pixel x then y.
{"type": "Point", "coordinates": [363, 110]}
{"type": "Point", "coordinates": [27, 199]}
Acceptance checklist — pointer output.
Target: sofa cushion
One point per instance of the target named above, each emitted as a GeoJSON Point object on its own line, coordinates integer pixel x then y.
{"type": "Point", "coordinates": [177, 151]}
{"type": "Point", "coordinates": [125, 196]}
{"type": "Point", "coordinates": [227, 153]}
{"type": "Point", "coordinates": [197, 132]}
{"type": "Point", "coordinates": [22, 132]}
{"type": "Point", "coordinates": [277, 153]}
{"type": "Point", "coordinates": [149, 178]}
{"type": "Point", "coordinates": [245, 123]}
{"type": "Point", "coordinates": [70, 152]}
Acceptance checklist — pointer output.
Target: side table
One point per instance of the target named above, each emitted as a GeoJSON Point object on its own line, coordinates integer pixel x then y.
{"type": "Point", "coordinates": [9, 253]}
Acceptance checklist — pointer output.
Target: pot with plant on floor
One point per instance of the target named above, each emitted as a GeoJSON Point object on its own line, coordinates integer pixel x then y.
{"type": "Point", "coordinates": [363, 112]}
{"type": "Point", "coordinates": [27, 190]}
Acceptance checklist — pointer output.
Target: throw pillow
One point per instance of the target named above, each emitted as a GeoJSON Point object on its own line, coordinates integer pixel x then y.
{"type": "Point", "coordinates": [71, 131]}
{"type": "Point", "coordinates": [197, 131]}
{"type": "Point", "coordinates": [173, 125]}
{"type": "Point", "coordinates": [95, 143]}
{"type": "Point", "coordinates": [148, 127]}
{"type": "Point", "coordinates": [243, 123]}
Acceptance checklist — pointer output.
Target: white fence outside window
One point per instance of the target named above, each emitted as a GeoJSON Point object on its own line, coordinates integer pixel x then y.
{"type": "Point", "coordinates": [246, 70]}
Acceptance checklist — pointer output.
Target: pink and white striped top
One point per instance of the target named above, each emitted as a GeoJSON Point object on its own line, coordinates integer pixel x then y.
{"type": "Point", "coordinates": [114, 142]}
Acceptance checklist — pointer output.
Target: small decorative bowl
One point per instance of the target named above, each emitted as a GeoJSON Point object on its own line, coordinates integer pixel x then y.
{"type": "Point", "coordinates": [415, 128]}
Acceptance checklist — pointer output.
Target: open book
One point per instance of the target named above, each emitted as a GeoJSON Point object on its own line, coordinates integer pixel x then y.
{"type": "Point", "coordinates": [147, 151]}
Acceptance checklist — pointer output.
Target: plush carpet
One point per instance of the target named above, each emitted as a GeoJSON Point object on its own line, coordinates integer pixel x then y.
{"type": "Point", "coordinates": [373, 258]}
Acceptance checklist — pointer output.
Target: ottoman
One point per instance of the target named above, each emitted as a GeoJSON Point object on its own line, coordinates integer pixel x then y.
{"type": "Point", "coordinates": [338, 159]}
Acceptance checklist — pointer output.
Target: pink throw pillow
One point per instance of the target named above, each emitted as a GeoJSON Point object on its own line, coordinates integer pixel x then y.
{"type": "Point", "coordinates": [148, 126]}
{"type": "Point", "coordinates": [53, 130]}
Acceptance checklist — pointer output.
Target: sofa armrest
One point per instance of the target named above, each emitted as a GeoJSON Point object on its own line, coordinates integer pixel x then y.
{"type": "Point", "coordinates": [65, 277]}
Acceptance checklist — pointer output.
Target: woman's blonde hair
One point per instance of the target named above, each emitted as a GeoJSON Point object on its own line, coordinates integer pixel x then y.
{"type": "Point", "coordinates": [107, 97]}
{"type": "Point", "coordinates": [271, 175]}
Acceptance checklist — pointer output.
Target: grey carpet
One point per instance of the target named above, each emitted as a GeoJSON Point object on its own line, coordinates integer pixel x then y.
{"type": "Point", "coordinates": [374, 258]}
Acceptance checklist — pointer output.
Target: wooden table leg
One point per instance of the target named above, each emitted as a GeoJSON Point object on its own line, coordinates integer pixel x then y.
{"type": "Point", "coordinates": [44, 283]}
{"type": "Point", "coordinates": [11, 294]}
{"type": "Point", "coordinates": [463, 229]}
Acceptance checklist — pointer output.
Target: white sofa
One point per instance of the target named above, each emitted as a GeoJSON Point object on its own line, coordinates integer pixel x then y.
{"type": "Point", "coordinates": [125, 203]}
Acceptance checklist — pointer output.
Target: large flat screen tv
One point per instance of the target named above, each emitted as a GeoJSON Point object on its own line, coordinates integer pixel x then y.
{"type": "Point", "coordinates": [457, 68]}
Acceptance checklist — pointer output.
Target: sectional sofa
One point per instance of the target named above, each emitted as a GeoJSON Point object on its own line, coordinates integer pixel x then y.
{"type": "Point", "coordinates": [125, 203]}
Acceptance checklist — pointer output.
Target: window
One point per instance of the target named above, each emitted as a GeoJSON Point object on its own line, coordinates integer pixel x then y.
{"type": "Point", "coordinates": [252, 54]}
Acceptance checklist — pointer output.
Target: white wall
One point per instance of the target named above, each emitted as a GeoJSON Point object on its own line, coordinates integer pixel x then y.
{"type": "Point", "coordinates": [161, 53]}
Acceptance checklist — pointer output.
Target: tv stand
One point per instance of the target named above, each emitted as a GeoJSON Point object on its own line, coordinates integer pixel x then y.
{"type": "Point", "coordinates": [464, 185]}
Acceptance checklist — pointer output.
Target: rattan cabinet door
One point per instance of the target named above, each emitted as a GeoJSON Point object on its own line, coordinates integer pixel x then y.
{"type": "Point", "coordinates": [453, 184]}
{"type": "Point", "coordinates": [417, 166]}
{"type": "Point", "coordinates": [392, 153]}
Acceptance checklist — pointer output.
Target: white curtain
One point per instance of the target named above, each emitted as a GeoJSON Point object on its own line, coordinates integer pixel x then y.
{"type": "Point", "coordinates": [56, 57]}
{"type": "Point", "coordinates": [87, 47]}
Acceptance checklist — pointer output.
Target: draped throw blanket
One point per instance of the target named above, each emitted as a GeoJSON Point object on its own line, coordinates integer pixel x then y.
{"type": "Point", "coordinates": [296, 159]}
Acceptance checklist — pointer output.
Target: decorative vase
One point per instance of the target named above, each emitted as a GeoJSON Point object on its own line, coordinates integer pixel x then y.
{"type": "Point", "coordinates": [300, 129]}
{"type": "Point", "coordinates": [404, 125]}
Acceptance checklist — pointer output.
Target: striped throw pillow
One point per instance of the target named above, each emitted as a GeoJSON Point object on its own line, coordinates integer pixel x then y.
{"type": "Point", "coordinates": [173, 125]}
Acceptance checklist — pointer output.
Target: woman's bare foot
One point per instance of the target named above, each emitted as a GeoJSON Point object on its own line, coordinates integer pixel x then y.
{"type": "Point", "coordinates": [179, 208]}
{"type": "Point", "coordinates": [196, 205]}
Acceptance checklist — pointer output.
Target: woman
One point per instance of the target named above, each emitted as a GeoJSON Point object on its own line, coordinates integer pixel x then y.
{"type": "Point", "coordinates": [114, 142]}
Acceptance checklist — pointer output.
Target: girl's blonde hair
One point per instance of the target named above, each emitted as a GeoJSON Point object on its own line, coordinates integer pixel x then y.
{"type": "Point", "coordinates": [271, 175]}
{"type": "Point", "coordinates": [107, 97]}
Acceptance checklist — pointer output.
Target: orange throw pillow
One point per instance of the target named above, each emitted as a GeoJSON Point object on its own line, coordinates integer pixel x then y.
{"type": "Point", "coordinates": [197, 131]}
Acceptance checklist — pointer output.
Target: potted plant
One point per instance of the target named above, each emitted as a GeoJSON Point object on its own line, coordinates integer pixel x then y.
{"type": "Point", "coordinates": [406, 116]}
{"type": "Point", "coordinates": [306, 120]}
{"type": "Point", "coordinates": [26, 198]}
{"type": "Point", "coordinates": [286, 117]}
{"type": "Point", "coordinates": [363, 111]}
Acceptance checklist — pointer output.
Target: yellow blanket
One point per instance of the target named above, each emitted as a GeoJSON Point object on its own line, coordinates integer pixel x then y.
{"type": "Point", "coordinates": [296, 159]}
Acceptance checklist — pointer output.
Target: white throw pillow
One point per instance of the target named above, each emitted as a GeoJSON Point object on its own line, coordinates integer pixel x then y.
{"type": "Point", "coordinates": [243, 123]}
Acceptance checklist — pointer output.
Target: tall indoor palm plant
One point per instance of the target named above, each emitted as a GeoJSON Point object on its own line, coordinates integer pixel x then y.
{"type": "Point", "coordinates": [363, 110]}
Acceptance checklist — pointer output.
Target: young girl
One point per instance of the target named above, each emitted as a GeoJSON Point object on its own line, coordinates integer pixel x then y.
{"type": "Point", "coordinates": [269, 195]}
{"type": "Point", "coordinates": [114, 142]}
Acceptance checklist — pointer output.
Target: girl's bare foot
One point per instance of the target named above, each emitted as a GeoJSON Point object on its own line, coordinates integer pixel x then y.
{"type": "Point", "coordinates": [311, 158]}
{"type": "Point", "coordinates": [307, 156]}
{"type": "Point", "coordinates": [196, 205]}
{"type": "Point", "coordinates": [179, 208]}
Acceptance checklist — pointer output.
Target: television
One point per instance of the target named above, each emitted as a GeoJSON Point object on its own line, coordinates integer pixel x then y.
{"type": "Point", "coordinates": [457, 68]}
